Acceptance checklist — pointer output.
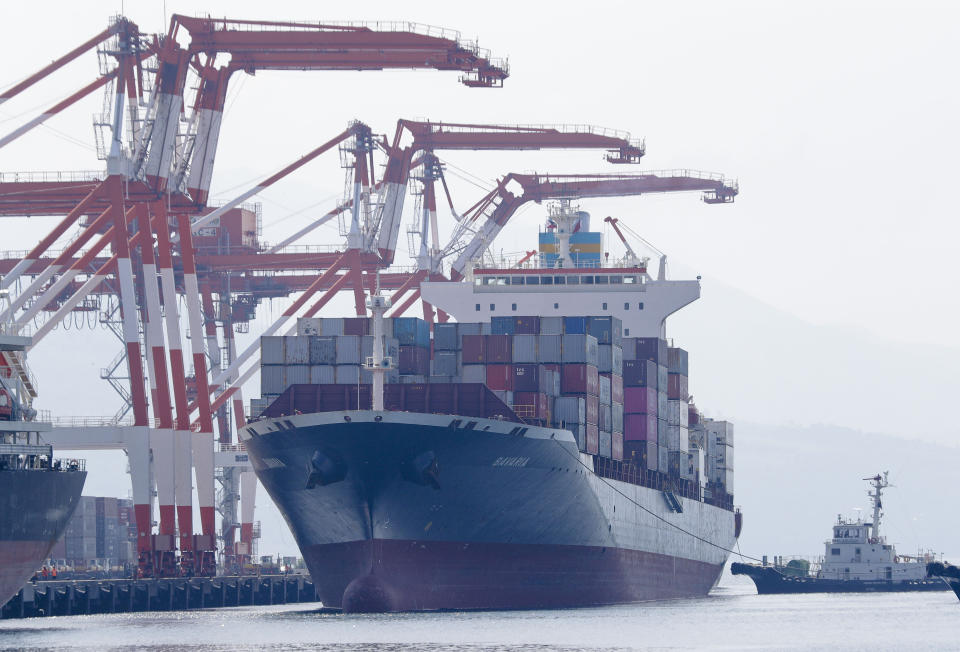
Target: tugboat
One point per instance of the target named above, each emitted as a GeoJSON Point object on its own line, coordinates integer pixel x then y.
{"type": "Point", "coordinates": [856, 560]}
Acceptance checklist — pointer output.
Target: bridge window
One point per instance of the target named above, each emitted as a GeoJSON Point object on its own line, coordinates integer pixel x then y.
{"type": "Point", "coordinates": [559, 280]}
{"type": "Point", "coordinates": [493, 306]}
{"type": "Point", "coordinates": [604, 305]}
{"type": "Point", "coordinates": [533, 280]}
{"type": "Point", "coordinates": [513, 307]}
{"type": "Point", "coordinates": [546, 280]}
{"type": "Point", "coordinates": [586, 280]}
{"type": "Point", "coordinates": [626, 332]}
{"type": "Point", "coordinates": [516, 280]}
{"type": "Point", "coordinates": [626, 306]}
{"type": "Point", "coordinates": [640, 306]}
{"type": "Point", "coordinates": [602, 279]}
{"type": "Point", "coordinates": [616, 279]}
{"type": "Point", "coordinates": [556, 306]}
{"type": "Point", "coordinates": [478, 307]}
{"type": "Point", "coordinates": [835, 551]}
{"type": "Point", "coordinates": [573, 280]}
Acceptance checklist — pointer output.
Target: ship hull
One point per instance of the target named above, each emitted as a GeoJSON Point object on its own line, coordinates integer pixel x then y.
{"type": "Point", "coordinates": [769, 581]}
{"type": "Point", "coordinates": [413, 512]}
{"type": "Point", "coordinates": [35, 507]}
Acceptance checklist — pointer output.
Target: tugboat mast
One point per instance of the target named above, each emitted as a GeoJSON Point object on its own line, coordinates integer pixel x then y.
{"type": "Point", "coordinates": [879, 483]}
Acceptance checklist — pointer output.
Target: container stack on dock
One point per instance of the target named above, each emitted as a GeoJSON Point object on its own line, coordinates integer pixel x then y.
{"type": "Point", "coordinates": [623, 398]}
{"type": "Point", "coordinates": [100, 532]}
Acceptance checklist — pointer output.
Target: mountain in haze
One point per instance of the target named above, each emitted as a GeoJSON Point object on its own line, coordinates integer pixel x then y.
{"type": "Point", "coordinates": [752, 362]}
{"type": "Point", "coordinates": [792, 481]}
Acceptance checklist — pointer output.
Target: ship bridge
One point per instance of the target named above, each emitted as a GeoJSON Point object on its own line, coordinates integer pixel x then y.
{"type": "Point", "coordinates": [628, 293]}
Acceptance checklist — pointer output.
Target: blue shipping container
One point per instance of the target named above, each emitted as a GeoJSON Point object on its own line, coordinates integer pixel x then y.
{"type": "Point", "coordinates": [575, 325]}
{"type": "Point", "coordinates": [502, 325]}
{"type": "Point", "coordinates": [411, 331]}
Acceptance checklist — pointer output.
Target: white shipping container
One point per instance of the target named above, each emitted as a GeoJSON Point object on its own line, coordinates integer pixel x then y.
{"type": "Point", "coordinates": [605, 395]}
{"type": "Point", "coordinates": [348, 350]}
{"type": "Point", "coordinates": [271, 350]}
{"type": "Point", "coordinates": [474, 373]}
{"type": "Point", "coordinates": [272, 379]}
{"type": "Point", "coordinates": [549, 348]}
{"type": "Point", "coordinates": [347, 374]}
{"type": "Point", "coordinates": [677, 438]}
{"type": "Point", "coordinates": [580, 348]}
{"type": "Point", "coordinates": [616, 412]}
{"type": "Point", "coordinates": [678, 413]}
{"type": "Point", "coordinates": [309, 326]}
{"type": "Point", "coordinates": [296, 350]}
{"type": "Point", "coordinates": [606, 444]}
{"type": "Point", "coordinates": [525, 348]}
{"type": "Point", "coordinates": [297, 375]}
{"type": "Point", "coordinates": [610, 359]}
{"type": "Point", "coordinates": [331, 326]}
{"type": "Point", "coordinates": [551, 326]}
{"type": "Point", "coordinates": [569, 410]}
{"type": "Point", "coordinates": [720, 430]}
{"type": "Point", "coordinates": [322, 374]}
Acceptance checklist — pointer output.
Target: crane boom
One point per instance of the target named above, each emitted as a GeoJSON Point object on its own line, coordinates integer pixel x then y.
{"type": "Point", "coordinates": [471, 240]}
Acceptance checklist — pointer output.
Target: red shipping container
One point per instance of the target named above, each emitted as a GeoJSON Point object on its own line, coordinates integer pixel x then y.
{"type": "Point", "coordinates": [616, 445]}
{"type": "Point", "coordinates": [593, 439]}
{"type": "Point", "coordinates": [640, 427]}
{"type": "Point", "coordinates": [499, 348]}
{"type": "Point", "coordinates": [474, 349]}
{"type": "Point", "coordinates": [580, 379]}
{"type": "Point", "coordinates": [640, 400]}
{"type": "Point", "coordinates": [526, 378]}
{"type": "Point", "coordinates": [593, 409]}
{"type": "Point", "coordinates": [616, 387]}
{"type": "Point", "coordinates": [500, 377]}
{"type": "Point", "coordinates": [356, 326]}
{"type": "Point", "coordinates": [678, 387]}
{"type": "Point", "coordinates": [532, 405]}
{"type": "Point", "coordinates": [414, 360]}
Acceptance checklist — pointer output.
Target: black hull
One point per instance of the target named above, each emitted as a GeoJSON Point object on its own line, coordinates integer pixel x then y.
{"type": "Point", "coordinates": [503, 520]}
{"type": "Point", "coordinates": [769, 580]}
{"type": "Point", "coordinates": [35, 506]}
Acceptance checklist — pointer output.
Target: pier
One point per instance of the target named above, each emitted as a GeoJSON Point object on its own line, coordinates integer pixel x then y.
{"type": "Point", "coordinates": [75, 597]}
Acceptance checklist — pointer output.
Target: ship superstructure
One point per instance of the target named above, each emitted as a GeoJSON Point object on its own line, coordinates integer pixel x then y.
{"type": "Point", "coordinates": [856, 558]}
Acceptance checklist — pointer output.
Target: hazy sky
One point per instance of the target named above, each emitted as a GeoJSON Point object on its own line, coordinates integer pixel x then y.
{"type": "Point", "coordinates": [838, 119]}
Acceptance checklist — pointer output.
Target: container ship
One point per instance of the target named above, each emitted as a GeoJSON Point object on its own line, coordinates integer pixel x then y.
{"type": "Point", "coordinates": [540, 451]}
{"type": "Point", "coordinates": [38, 494]}
{"type": "Point", "coordinates": [857, 559]}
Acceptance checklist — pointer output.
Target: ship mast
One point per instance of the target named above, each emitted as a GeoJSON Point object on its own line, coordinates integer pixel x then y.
{"type": "Point", "coordinates": [879, 483]}
{"type": "Point", "coordinates": [378, 364]}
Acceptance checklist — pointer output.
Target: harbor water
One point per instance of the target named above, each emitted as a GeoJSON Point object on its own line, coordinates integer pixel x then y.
{"type": "Point", "coordinates": [733, 617]}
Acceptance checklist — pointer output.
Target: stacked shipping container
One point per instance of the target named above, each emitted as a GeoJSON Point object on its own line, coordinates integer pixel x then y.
{"type": "Point", "coordinates": [623, 398]}
{"type": "Point", "coordinates": [101, 530]}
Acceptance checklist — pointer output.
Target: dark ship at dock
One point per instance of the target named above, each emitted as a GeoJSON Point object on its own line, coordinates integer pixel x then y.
{"type": "Point", "coordinates": [509, 462]}
{"type": "Point", "coordinates": [37, 493]}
